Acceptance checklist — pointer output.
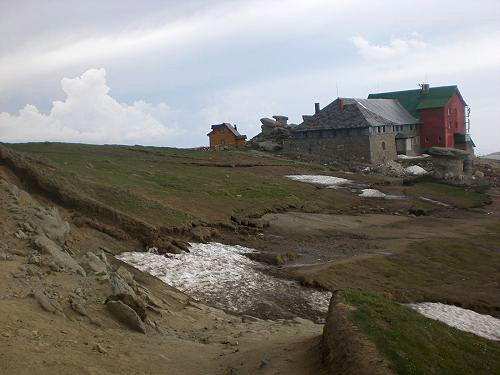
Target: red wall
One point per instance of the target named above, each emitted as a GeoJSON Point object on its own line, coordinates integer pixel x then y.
{"type": "Point", "coordinates": [440, 124]}
{"type": "Point", "coordinates": [217, 135]}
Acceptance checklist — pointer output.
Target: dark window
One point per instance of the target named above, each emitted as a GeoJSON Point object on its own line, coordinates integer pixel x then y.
{"type": "Point", "coordinates": [456, 125]}
{"type": "Point", "coordinates": [426, 139]}
{"type": "Point", "coordinates": [383, 145]}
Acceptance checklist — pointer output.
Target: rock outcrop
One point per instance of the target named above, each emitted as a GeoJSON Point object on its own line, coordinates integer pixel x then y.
{"type": "Point", "coordinates": [451, 164]}
{"type": "Point", "coordinates": [274, 132]}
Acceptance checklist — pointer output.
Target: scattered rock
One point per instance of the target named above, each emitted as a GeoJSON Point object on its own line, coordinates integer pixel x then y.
{"type": "Point", "coordinates": [34, 258]}
{"type": "Point", "coordinates": [98, 347]}
{"type": "Point", "coordinates": [126, 315]}
{"type": "Point", "coordinates": [94, 263]}
{"type": "Point", "coordinates": [61, 258]}
{"type": "Point", "coordinates": [126, 275]}
{"type": "Point", "coordinates": [50, 224]}
{"type": "Point", "coordinates": [21, 235]}
{"type": "Point", "coordinates": [264, 362]}
{"type": "Point", "coordinates": [120, 286]}
{"type": "Point", "coordinates": [47, 303]}
{"type": "Point", "coordinates": [18, 252]}
{"type": "Point", "coordinates": [479, 174]}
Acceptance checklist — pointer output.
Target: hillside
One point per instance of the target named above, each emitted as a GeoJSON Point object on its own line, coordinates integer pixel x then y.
{"type": "Point", "coordinates": [70, 212]}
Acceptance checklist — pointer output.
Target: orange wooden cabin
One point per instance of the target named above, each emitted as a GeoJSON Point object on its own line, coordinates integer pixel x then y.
{"type": "Point", "coordinates": [226, 135]}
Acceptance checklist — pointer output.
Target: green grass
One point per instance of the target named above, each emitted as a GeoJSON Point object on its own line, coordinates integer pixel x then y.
{"type": "Point", "coordinates": [453, 195]}
{"type": "Point", "coordinates": [173, 187]}
{"type": "Point", "coordinates": [415, 345]}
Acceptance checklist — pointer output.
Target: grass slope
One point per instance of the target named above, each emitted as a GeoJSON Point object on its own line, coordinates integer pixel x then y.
{"type": "Point", "coordinates": [173, 187]}
{"type": "Point", "coordinates": [415, 345]}
{"type": "Point", "coordinates": [453, 195]}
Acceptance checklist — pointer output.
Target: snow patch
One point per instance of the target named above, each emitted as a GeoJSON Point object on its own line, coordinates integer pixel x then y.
{"type": "Point", "coordinates": [415, 170]}
{"type": "Point", "coordinates": [222, 276]}
{"type": "Point", "coordinates": [406, 157]}
{"type": "Point", "coordinates": [372, 193]}
{"type": "Point", "coordinates": [329, 181]}
{"type": "Point", "coordinates": [465, 320]}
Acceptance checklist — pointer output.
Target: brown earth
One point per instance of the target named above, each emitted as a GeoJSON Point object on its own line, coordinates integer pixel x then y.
{"type": "Point", "coordinates": [56, 321]}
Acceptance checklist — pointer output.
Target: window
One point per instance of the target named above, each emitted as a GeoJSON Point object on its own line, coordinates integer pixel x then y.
{"type": "Point", "coordinates": [383, 129]}
{"type": "Point", "coordinates": [440, 139]}
{"type": "Point", "coordinates": [449, 125]}
{"type": "Point", "coordinates": [426, 139]}
{"type": "Point", "coordinates": [456, 125]}
{"type": "Point", "coordinates": [383, 145]}
{"type": "Point", "coordinates": [449, 111]}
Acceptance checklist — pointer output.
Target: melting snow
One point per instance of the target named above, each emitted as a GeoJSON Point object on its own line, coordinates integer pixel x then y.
{"type": "Point", "coordinates": [330, 181]}
{"type": "Point", "coordinates": [372, 193]}
{"type": "Point", "coordinates": [401, 156]}
{"type": "Point", "coordinates": [462, 319]}
{"type": "Point", "coordinates": [415, 170]}
{"type": "Point", "coordinates": [222, 276]}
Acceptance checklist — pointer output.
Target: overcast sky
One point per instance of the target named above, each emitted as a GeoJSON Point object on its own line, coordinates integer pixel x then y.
{"type": "Point", "coordinates": [161, 72]}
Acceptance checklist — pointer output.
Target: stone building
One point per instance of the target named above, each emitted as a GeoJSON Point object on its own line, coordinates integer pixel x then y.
{"type": "Point", "coordinates": [360, 130]}
{"type": "Point", "coordinates": [226, 135]}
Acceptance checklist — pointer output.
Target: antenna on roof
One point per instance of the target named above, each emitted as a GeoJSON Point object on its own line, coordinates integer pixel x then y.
{"type": "Point", "coordinates": [337, 86]}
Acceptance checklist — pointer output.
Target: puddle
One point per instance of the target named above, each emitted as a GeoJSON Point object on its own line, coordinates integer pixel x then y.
{"type": "Point", "coordinates": [465, 320]}
{"type": "Point", "coordinates": [221, 276]}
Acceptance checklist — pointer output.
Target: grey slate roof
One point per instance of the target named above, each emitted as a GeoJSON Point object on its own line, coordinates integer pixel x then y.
{"type": "Point", "coordinates": [231, 128]}
{"type": "Point", "coordinates": [358, 113]}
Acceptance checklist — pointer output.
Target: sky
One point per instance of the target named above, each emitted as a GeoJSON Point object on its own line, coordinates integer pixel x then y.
{"type": "Point", "coordinates": [161, 72]}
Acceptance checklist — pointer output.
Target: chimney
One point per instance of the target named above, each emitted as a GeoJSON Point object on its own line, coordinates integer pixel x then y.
{"type": "Point", "coordinates": [341, 103]}
{"type": "Point", "coordinates": [235, 127]}
{"type": "Point", "coordinates": [316, 108]}
{"type": "Point", "coordinates": [424, 88]}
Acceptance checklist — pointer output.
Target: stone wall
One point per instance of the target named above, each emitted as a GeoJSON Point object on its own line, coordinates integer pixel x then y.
{"type": "Point", "coordinates": [347, 148]}
{"type": "Point", "coordinates": [359, 148]}
{"type": "Point", "coordinates": [382, 148]}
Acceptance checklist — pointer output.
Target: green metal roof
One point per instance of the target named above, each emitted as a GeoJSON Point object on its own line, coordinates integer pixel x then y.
{"type": "Point", "coordinates": [414, 100]}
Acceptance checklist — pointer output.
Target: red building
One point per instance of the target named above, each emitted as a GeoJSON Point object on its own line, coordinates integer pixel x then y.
{"type": "Point", "coordinates": [225, 135]}
{"type": "Point", "coordinates": [442, 112]}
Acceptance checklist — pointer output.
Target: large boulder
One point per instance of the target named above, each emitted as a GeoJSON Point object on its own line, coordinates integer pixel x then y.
{"type": "Point", "coordinates": [451, 164]}
{"type": "Point", "coordinates": [447, 152]}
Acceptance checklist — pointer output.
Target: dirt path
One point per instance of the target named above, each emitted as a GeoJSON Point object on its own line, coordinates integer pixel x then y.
{"type": "Point", "coordinates": [321, 238]}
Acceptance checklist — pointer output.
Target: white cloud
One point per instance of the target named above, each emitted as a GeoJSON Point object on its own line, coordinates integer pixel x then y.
{"type": "Point", "coordinates": [89, 114]}
{"type": "Point", "coordinates": [395, 48]}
